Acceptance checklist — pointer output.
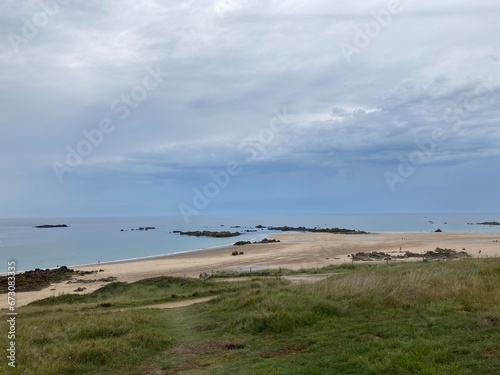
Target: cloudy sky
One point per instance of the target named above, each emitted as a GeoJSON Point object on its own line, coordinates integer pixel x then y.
{"type": "Point", "coordinates": [238, 106]}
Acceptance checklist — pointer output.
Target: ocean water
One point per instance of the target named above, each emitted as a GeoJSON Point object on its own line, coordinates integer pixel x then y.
{"type": "Point", "coordinates": [93, 240]}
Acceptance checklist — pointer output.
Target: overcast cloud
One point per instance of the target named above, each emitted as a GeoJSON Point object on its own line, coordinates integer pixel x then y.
{"type": "Point", "coordinates": [323, 106]}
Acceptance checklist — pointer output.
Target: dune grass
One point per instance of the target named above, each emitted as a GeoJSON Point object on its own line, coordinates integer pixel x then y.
{"type": "Point", "coordinates": [408, 318]}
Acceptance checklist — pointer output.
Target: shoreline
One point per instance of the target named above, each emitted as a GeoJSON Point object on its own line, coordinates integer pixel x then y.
{"type": "Point", "coordinates": [296, 251]}
{"type": "Point", "coordinates": [270, 236]}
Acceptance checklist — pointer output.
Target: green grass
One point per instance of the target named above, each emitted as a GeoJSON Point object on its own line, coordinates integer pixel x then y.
{"type": "Point", "coordinates": [145, 292]}
{"type": "Point", "coordinates": [408, 318]}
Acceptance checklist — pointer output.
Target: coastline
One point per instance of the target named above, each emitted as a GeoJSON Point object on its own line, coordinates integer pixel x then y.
{"type": "Point", "coordinates": [296, 251]}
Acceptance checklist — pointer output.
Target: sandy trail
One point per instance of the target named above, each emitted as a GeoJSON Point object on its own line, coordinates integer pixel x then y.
{"type": "Point", "coordinates": [169, 305]}
{"type": "Point", "coordinates": [296, 251]}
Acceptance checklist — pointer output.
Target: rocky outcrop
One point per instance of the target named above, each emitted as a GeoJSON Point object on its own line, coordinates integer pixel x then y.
{"type": "Point", "coordinates": [318, 230]}
{"type": "Point", "coordinates": [369, 257]}
{"type": "Point", "coordinates": [207, 233]}
{"type": "Point", "coordinates": [139, 229]}
{"type": "Point", "coordinates": [39, 279]}
{"type": "Point", "coordinates": [438, 254]}
{"type": "Point", "coordinates": [445, 254]}
{"type": "Point", "coordinates": [51, 226]}
{"type": "Point", "coordinates": [489, 223]}
{"type": "Point", "coordinates": [265, 240]}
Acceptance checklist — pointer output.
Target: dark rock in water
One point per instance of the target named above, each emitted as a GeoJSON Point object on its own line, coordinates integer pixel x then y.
{"type": "Point", "coordinates": [51, 226]}
{"type": "Point", "coordinates": [207, 233]}
{"type": "Point", "coordinates": [146, 228]}
{"type": "Point", "coordinates": [260, 227]}
{"type": "Point", "coordinates": [489, 223]}
{"type": "Point", "coordinates": [318, 230]}
{"type": "Point", "coordinates": [438, 231]}
{"type": "Point", "coordinates": [140, 229]}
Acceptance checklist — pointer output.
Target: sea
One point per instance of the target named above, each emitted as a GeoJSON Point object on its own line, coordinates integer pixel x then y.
{"type": "Point", "coordinates": [99, 240]}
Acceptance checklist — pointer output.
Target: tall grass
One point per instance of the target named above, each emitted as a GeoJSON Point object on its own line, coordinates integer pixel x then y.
{"type": "Point", "coordinates": [409, 318]}
{"type": "Point", "coordinates": [460, 285]}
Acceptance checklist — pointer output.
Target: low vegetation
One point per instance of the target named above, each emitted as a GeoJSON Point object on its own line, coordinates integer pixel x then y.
{"type": "Point", "coordinates": [406, 318]}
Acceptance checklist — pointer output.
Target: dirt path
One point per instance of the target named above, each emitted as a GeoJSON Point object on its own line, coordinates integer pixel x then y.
{"type": "Point", "coordinates": [171, 305]}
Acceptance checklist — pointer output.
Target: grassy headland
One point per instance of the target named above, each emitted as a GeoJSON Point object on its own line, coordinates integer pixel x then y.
{"type": "Point", "coordinates": [406, 318]}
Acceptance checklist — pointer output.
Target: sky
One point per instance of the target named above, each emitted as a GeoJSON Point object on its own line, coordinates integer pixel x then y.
{"type": "Point", "coordinates": [127, 108]}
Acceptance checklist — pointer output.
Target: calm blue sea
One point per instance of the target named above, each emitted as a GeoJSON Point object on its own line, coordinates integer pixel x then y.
{"type": "Point", "coordinates": [92, 240]}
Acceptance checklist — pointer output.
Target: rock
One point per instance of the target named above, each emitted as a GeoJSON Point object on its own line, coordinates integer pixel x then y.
{"type": "Point", "coordinates": [51, 226]}
{"type": "Point", "coordinates": [37, 279]}
{"type": "Point", "coordinates": [79, 289]}
{"type": "Point", "coordinates": [265, 240]}
{"type": "Point", "coordinates": [445, 254]}
{"type": "Point", "coordinates": [438, 231]}
{"type": "Point", "coordinates": [318, 230]}
{"type": "Point", "coordinates": [241, 243]}
{"type": "Point", "coordinates": [207, 233]}
{"type": "Point", "coordinates": [234, 253]}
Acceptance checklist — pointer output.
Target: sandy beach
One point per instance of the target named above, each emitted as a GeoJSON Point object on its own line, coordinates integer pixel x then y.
{"type": "Point", "coordinates": [295, 251]}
